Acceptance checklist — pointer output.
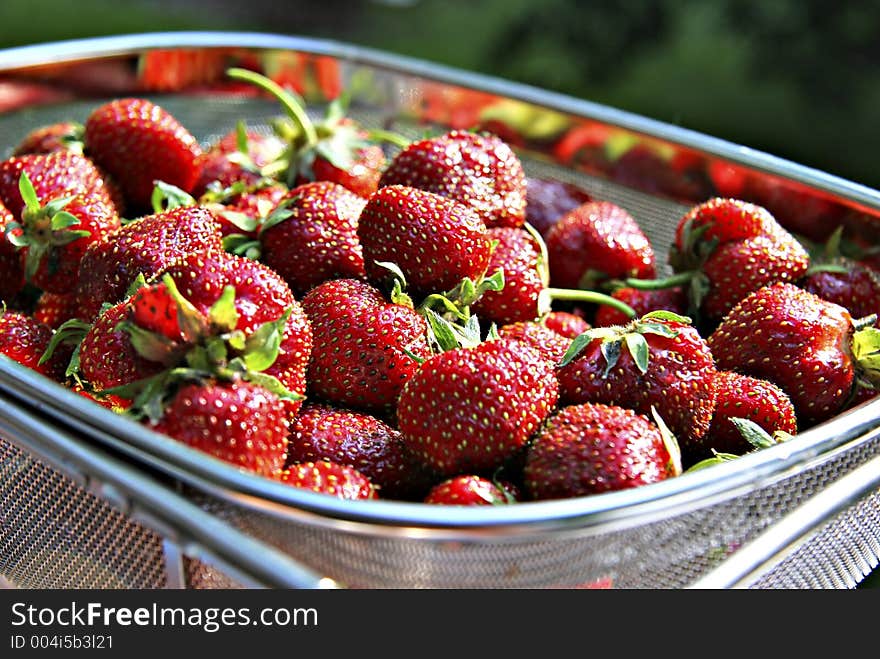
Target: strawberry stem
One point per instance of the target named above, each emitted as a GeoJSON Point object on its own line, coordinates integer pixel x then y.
{"type": "Point", "coordinates": [678, 279]}
{"type": "Point", "coordinates": [593, 297]}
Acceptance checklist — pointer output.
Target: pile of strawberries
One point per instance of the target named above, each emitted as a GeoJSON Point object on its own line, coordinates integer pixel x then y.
{"type": "Point", "coordinates": [422, 323]}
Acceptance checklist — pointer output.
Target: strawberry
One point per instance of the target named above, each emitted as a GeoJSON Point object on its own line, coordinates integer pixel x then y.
{"type": "Point", "coordinates": [435, 241]}
{"type": "Point", "coordinates": [746, 397]}
{"type": "Point", "coordinates": [547, 200]}
{"type": "Point", "coordinates": [55, 232]}
{"type": "Point", "coordinates": [592, 448]}
{"type": "Point", "coordinates": [25, 339]}
{"type": "Point", "coordinates": [567, 323]}
{"type": "Point", "coordinates": [477, 169]}
{"type": "Point", "coordinates": [54, 309]}
{"type": "Point", "coordinates": [59, 136]}
{"type": "Point", "coordinates": [360, 440]}
{"type": "Point", "coordinates": [811, 348]}
{"type": "Point", "coordinates": [239, 156]}
{"type": "Point", "coordinates": [144, 246]}
{"type": "Point", "coordinates": [549, 342]}
{"type": "Point", "coordinates": [642, 301]}
{"type": "Point", "coordinates": [467, 490]}
{"type": "Point", "coordinates": [11, 269]}
{"type": "Point", "coordinates": [138, 143]}
{"type": "Point", "coordinates": [656, 360]}
{"type": "Point", "coordinates": [366, 346]}
{"type": "Point", "coordinates": [241, 423]}
{"type": "Point", "coordinates": [597, 241]}
{"type": "Point", "coordinates": [472, 409]}
{"type": "Point", "coordinates": [154, 309]}
{"type": "Point", "coordinates": [327, 477]}
{"type": "Point", "coordinates": [312, 236]}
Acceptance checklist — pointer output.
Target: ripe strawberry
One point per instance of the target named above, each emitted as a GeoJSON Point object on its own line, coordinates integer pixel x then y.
{"type": "Point", "coordinates": [519, 257]}
{"type": "Point", "coordinates": [138, 143]}
{"type": "Point", "coordinates": [144, 246]}
{"type": "Point", "coordinates": [592, 448]}
{"type": "Point", "coordinates": [11, 269]}
{"type": "Point", "coordinates": [566, 323]}
{"type": "Point", "coordinates": [312, 236]}
{"type": "Point", "coordinates": [479, 170]}
{"type": "Point", "coordinates": [239, 156]}
{"type": "Point", "coordinates": [642, 301]}
{"type": "Point", "coordinates": [326, 477]}
{"type": "Point", "coordinates": [746, 397]}
{"type": "Point", "coordinates": [472, 409]}
{"type": "Point", "coordinates": [467, 490]}
{"type": "Point", "coordinates": [154, 309]}
{"type": "Point", "coordinates": [365, 345]}
{"type": "Point", "coordinates": [435, 241]}
{"type": "Point", "coordinates": [809, 347]}
{"type": "Point", "coordinates": [59, 136]}
{"type": "Point", "coordinates": [547, 200]}
{"type": "Point", "coordinates": [239, 422]}
{"type": "Point", "coordinates": [535, 333]}
{"type": "Point", "coordinates": [54, 233]}
{"type": "Point", "coordinates": [25, 339]}
{"type": "Point", "coordinates": [595, 242]}
{"type": "Point", "coordinates": [360, 440]}
{"type": "Point", "coordinates": [54, 309]}
{"type": "Point", "coordinates": [657, 360]}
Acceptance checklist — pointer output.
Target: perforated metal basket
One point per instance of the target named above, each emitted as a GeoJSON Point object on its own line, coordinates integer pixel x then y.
{"type": "Point", "coordinates": [90, 499]}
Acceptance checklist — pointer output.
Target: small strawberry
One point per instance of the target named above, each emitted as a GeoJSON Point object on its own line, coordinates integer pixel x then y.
{"type": "Point", "coordinates": [366, 346]}
{"type": "Point", "coordinates": [642, 301]}
{"type": "Point", "coordinates": [360, 440]}
{"type": "Point", "coordinates": [25, 340]}
{"type": "Point", "coordinates": [11, 269]}
{"type": "Point", "coordinates": [467, 490]}
{"type": "Point", "coordinates": [535, 333]}
{"type": "Point", "coordinates": [547, 200]}
{"type": "Point", "coordinates": [54, 309]}
{"type": "Point", "coordinates": [656, 360]}
{"type": "Point", "coordinates": [478, 170]}
{"type": "Point", "coordinates": [472, 409]}
{"type": "Point", "coordinates": [567, 323]}
{"type": "Point", "coordinates": [138, 143]}
{"type": "Point", "coordinates": [144, 246]}
{"type": "Point", "coordinates": [811, 348]}
{"type": "Point", "coordinates": [326, 477]}
{"type": "Point", "coordinates": [241, 423]}
{"type": "Point", "coordinates": [595, 242]}
{"type": "Point", "coordinates": [59, 136]}
{"type": "Point", "coordinates": [435, 241]}
{"type": "Point", "coordinates": [592, 448]}
{"type": "Point", "coordinates": [746, 397]}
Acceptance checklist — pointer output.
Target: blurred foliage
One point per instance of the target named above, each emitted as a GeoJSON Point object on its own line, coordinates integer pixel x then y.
{"type": "Point", "coordinates": [796, 78]}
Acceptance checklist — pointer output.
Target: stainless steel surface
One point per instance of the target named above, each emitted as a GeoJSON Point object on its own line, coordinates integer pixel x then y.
{"type": "Point", "coordinates": [664, 535]}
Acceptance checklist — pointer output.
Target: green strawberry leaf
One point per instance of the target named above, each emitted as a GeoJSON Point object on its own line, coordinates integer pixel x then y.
{"type": "Point", "coordinates": [242, 245]}
{"type": "Point", "coordinates": [167, 196]}
{"type": "Point", "coordinates": [717, 458]}
{"type": "Point", "coordinates": [69, 332]}
{"type": "Point", "coordinates": [441, 334]}
{"type": "Point", "coordinates": [274, 385]}
{"type": "Point", "coordinates": [753, 433]}
{"type": "Point", "coordinates": [223, 313]}
{"type": "Point", "coordinates": [191, 321]}
{"type": "Point", "coordinates": [611, 352]}
{"type": "Point", "coordinates": [670, 442]}
{"type": "Point", "coordinates": [866, 350]}
{"type": "Point", "coordinates": [28, 194]}
{"type": "Point", "coordinates": [150, 345]}
{"type": "Point", "coordinates": [637, 346]}
{"type": "Point", "coordinates": [581, 341]}
{"type": "Point", "coordinates": [262, 346]}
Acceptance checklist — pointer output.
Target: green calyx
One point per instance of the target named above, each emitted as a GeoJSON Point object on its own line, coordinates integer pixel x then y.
{"type": "Point", "coordinates": [673, 467]}
{"type": "Point", "coordinates": [630, 337]}
{"type": "Point", "coordinates": [866, 352]}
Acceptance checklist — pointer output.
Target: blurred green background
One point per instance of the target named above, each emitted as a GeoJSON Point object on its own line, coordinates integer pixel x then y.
{"type": "Point", "coordinates": [796, 78]}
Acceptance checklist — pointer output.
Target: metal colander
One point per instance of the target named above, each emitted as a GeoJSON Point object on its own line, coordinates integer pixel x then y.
{"type": "Point", "coordinates": [89, 499]}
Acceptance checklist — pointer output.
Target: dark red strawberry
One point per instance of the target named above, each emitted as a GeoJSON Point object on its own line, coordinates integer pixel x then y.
{"type": "Point", "coordinates": [808, 346]}
{"type": "Point", "coordinates": [746, 397]}
{"type": "Point", "coordinates": [142, 247]}
{"type": "Point", "coordinates": [312, 236]}
{"type": "Point", "coordinates": [467, 490]}
{"type": "Point", "coordinates": [567, 323]}
{"type": "Point", "coordinates": [593, 448]}
{"type": "Point", "coordinates": [519, 256]}
{"type": "Point", "coordinates": [472, 409]}
{"type": "Point", "coordinates": [547, 200]}
{"type": "Point", "coordinates": [549, 342]}
{"type": "Point", "coordinates": [435, 241]}
{"type": "Point", "coordinates": [241, 423]}
{"type": "Point", "coordinates": [360, 440]}
{"type": "Point", "coordinates": [595, 242]}
{"type": "Point", "coordinates": [59, 136]}
{"type": "Point", "coordinates": [642, 301]}
{"type": "Point", "coordinates": [477, 169]}
{"type": "Point", "coordinates": [54, 309]}
{"type": "Point", "coordinates": [366, 346]}
{"type": "Point", "coordinates": [658, 360]}
{"type": "Point", "coordinates": [326, 477]}
{"type": "Point", "coordinates": [25, 340]}
{"type": "Point", "coordinates": [138, 143]}
{"type": "Point", "coordinates": [11, 269]}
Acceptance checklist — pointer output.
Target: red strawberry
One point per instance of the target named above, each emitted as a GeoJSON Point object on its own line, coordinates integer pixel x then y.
{"type": "Point", "coordinates": [657, 360]}
{"type": "Point", "coordinates": [59, 136]}
{"type": "Point", "coordinates": [154, 309]}
{"type": "Point", "coordinates": [593, 448]}
{"type": "Point", "coordinates": [365, 346]}
{"type": "Point", "coordinates": [472, 409]}
{"type": "Point", "coordinates": [326, 477]}
{"type": "Point", "coordinates": [237, 157]}
{"type": "Point", "coordinates": [547, 200]}
{"type": "Point", "coordinates": [746, 397]}
{"type": "Point", "coordinates": [11, 269]}
{"type": "Point", "coordinates": [467, 490]}
{"type": "Point", "coordinates": [479, 170]}
{"type": "Point", "coordinates": [669, 299]}
{"type": "Point", "coordinates": [566, 323]}
{"type": "Point", "coordinates": [595, 242]}
{"type": "Point", "coordinates": [144, 246]}
{"type": "Point", "coordinates": [360, 440]}
{"type": "Point", "coordinates": [361, 175]}
{"type": "Point", "coordinates": [54, 309]}
{"type": "Point", "coordinates": [25, 339]}
{"type": "Point", "coordinates": [807, 346]}
{"type": "Point", "coordinates": [239, 422]}
{"type": "Point", "coordinates": [549, 342]}
{"type": "Point", "coordinates": [139, 143]}
{"type": "Point", "coordinates": [519, 257]}
{"type": "Point", "coordinates": [435, 241]}
{"type": "Point", "coordinates": [312, 236]}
